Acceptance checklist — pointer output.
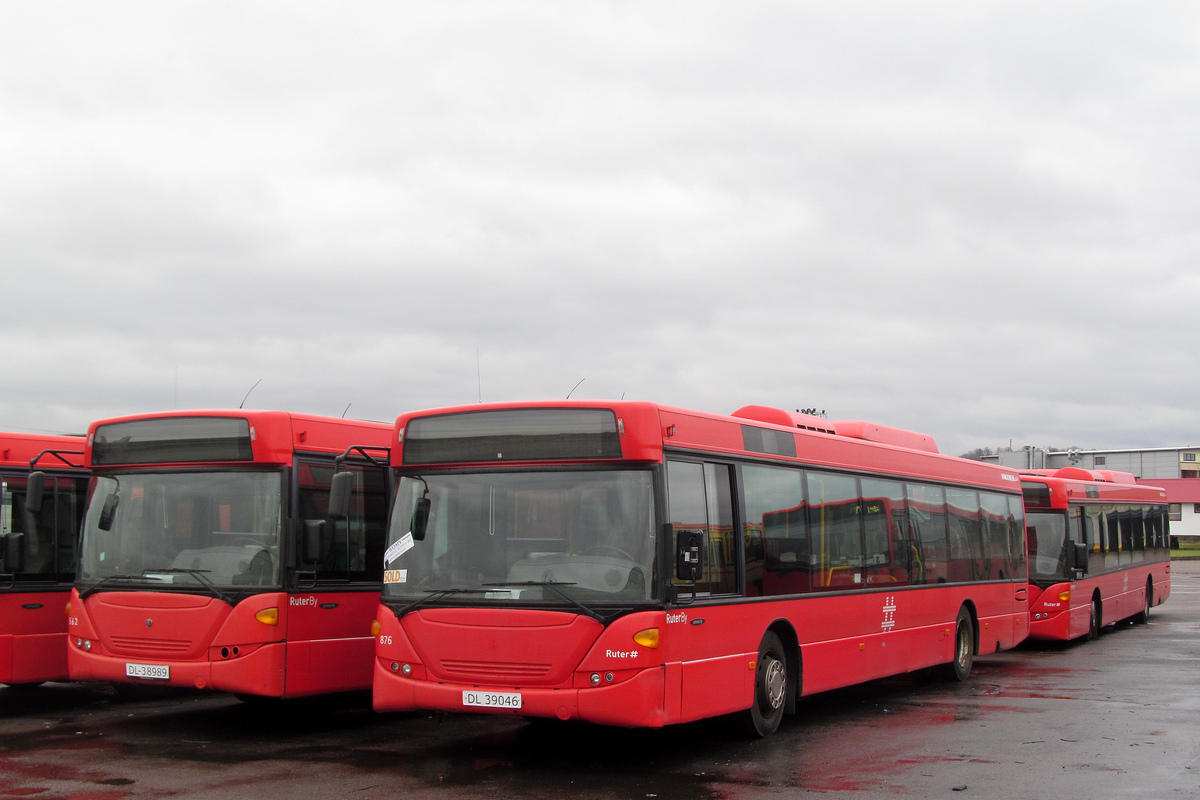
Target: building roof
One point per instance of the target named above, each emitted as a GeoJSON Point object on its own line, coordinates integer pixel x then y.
{"type": "Point", "coordinates": [1179, 490]}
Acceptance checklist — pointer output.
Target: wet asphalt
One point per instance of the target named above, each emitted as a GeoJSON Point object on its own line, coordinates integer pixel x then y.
{"type": "Point", "coordinates": [1117, 717]}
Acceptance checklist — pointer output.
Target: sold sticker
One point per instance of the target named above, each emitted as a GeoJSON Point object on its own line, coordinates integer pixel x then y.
{"type": "Point", "coordinates": [395, 576]}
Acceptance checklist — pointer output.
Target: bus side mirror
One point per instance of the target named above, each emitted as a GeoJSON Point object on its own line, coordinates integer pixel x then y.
{"type": "Point", "coordinates": [689, 555]}
{"type": "Point", "coordinates": [108, 513]}
{"type": "Point", "coordinates": [420, 518]}
{"type": "Point", "coordinates": [35, 490]}
{"type": "Point", "coordinates": [1080, 551]}
{"type": "Point", "coordinates": [316, 537]}
{"type": "Point", "coordinates": [340, 488]}
{"type": "Point", "coordinates": [14, 552]}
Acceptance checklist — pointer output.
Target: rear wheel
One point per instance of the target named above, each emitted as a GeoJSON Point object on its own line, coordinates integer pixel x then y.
{"type": "Point", "coordinates": [1144, 616]}
{"type": "Point", "coordinates": [964, 647]}
{"type": "Point", "coordinates": [770, 688]}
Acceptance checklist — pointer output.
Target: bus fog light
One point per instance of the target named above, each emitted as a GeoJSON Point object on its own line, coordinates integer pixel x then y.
{"type": "Point", "coordinates": [78, 642]}
{"type": "Point", "coordinates": [87, 644]}
{"type": "Point", "coordinates": [608, 676]}
{"type": "Point", "coordinates": [406, 670]}
{"type": "Point", "coordinates": [395, 666]}
{"type": "Point", "coordinates": [595, 679]}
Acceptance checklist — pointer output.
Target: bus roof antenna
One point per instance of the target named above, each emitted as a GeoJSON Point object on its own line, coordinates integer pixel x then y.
{"type": "Point", "coordinates": [252, 388]}
{"type": "Point", "coordinates": [347, 409]}
{"type": "Point", "coordinates": [573, 388]}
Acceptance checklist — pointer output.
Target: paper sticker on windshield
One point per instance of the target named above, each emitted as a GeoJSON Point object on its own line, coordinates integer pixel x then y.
{"type": "Point", "coordinates": [395, 576]}
{"type": "Point", "coordinates": [398, 548]}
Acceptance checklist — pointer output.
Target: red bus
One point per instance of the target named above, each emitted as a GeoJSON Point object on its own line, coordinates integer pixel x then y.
{"type": "Point", "coordinates": [208, 559]}
{"type": "Point", "coordinates": [1099, 550]}
{"type": "Point", "coordinates": [37, 553]}
{"type": "Point", "coordinates": [632, 564]}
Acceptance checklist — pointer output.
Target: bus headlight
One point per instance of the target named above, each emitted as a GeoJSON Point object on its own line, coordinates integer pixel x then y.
{"type": "Point", "coordinates": [268, 616]}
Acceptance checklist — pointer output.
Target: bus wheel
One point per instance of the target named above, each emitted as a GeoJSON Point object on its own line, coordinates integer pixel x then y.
{"type": "Point", "coordinates": [770, 688]}
{"type": "Point", "coordinates": [1094, 627]}
{"type": "Point", "coordinates": [964, 647]}
{"type": "Point", "coordinates": [1144, 616]}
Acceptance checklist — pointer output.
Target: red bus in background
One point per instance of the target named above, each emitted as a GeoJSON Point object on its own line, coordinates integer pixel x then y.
{"type": "Point", "coordinates": [1099, 550]}
{"type": "Point", "coordinates": [637, 565]}
{"type": "Point", "coordinates": [208, 558]}
{"type": "Point", "coordinates": [37, 553]}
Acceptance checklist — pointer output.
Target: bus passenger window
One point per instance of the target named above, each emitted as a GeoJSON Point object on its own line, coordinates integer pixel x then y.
{"type": "Point", "coordinates": [885, 533]}
{"type": "Point", "coordinates": [834, 516]}
{"type": "Point", "coordinates": [927, 518]}
{"type": "Point", "coordinates": [775, 516]}
{"type": "Point", "coordinates": [701, 498]}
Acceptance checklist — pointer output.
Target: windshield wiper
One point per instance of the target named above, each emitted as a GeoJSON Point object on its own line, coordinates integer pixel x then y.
{"type": "Point", "coordinates": [553, 587]}
{"type": "Point", "coordinates": [431, 595]}
{"type": "Point", "coordinates": [85, 593]}
{"type": "Point", "coordinates": [195, 573]}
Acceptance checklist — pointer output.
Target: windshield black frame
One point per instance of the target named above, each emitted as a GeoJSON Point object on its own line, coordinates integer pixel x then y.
{"type": "Point", "coordinates": [557, 561]}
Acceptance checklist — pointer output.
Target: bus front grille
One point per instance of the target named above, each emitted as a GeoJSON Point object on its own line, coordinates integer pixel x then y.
{"type": "Point", "coordinates": [132, 645]}
{"type": "Point", "coordinates": [492, 670]}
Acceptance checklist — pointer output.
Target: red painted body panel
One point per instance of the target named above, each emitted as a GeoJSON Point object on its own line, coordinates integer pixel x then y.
{"type": "Point", "coordinates": [705, 660]}
{"type": "Point", "coordinates": [704, 663]}
{"type": "Point", "coordinates": [33, 621]}
{"type": "Point", "coordinates": [33, 644]}
{"type": "Point", "coordinates": [207, 644]}
{"type": "Point", "coordinates": [1122, 592]}
{"type": "Point", "coordinates": [330, 648]}
{"type": "Point", "coordinates": [322, 642]}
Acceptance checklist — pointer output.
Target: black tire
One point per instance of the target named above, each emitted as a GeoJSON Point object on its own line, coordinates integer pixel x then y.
{"type": "Point", "coordinates": [770, 688]}
{"type": "Point", "coordinates": [964, 647]}
{"type": "Point", "coordinates": [1096, 615]}
{"type": "Point", "coordinates": [1144, 617]}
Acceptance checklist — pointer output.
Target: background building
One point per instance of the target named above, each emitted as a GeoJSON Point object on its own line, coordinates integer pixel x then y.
{"type": "Point", "coordinates": [1176, 469]}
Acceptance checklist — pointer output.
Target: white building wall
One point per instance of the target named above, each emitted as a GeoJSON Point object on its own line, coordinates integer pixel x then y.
{"type": "Point", "coordinates": [1189, 523]}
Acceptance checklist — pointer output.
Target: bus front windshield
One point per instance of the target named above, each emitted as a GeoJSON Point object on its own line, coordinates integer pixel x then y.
{"type": "Point", "coordinates": [1047, 532]}
{"type": "Point", "coordinates": [158, 530]}
{"type": "Point", "coordinates": [561, 537]}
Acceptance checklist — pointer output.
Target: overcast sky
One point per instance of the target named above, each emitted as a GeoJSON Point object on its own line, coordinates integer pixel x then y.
{"type": "Point", "coordinates": [976, 220]}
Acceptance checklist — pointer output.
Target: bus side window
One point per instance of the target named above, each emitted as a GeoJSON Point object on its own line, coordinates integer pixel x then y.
{"type": "Point", "coordinates": [885, 533]}
{"type": "Point", "coordinates": [775, 516]}
{"type": "Point", "coordinates": [966, 558]}
{"type": "Point", "coordinates": [927, 516]}
{"type": "Point", "coordinates": [993, 510]}
{"type": "Point", "coordinates": [701, 498]}
{"type": "Point", "coordinates": [835, 520]}
{"type": "Point", "coordinates": [1016, 542]}
{"type": "Point", "coordinates": [356, 543]}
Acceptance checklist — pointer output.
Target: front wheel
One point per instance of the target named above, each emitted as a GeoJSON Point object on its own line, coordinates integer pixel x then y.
{"type": "Point", "coordinates": [964, 647]}
{"type": "Point", "coordinates": [770, 688]}
{"type": "Point", "coordinates": [1094, 624]}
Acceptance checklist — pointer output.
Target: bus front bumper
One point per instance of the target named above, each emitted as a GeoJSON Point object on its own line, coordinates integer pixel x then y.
{"type": "Point", "coordinates": [636, 702]}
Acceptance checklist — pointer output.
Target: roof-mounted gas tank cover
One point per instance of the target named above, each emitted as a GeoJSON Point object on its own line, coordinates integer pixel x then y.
{"type": "Point", "coordinates": [852, 429]}
{"type": "Point", "coordinates": [777, 416]}
{"type": "Point", "coordinates": [1103, 475]}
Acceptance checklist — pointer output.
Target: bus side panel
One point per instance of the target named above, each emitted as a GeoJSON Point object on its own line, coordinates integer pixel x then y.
{"type": "Point", "coordinates": [6, 651]}
{"type": "Point", "coordinates": [1162, 582]}
{"type": "Point", "coordinates": [37, 658]}
{"type": "Point", "coordinates": [330, 647]}
{"type": "Point", "coordinates": [35, 628]}
{"type": "Point", "coordinates": [716, 686]}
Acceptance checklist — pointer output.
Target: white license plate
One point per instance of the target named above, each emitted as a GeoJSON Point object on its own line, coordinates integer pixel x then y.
{"type": "Point", "coordinates": [492, 699]}
{"type": "Point", "coordinates": [156, 672]}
